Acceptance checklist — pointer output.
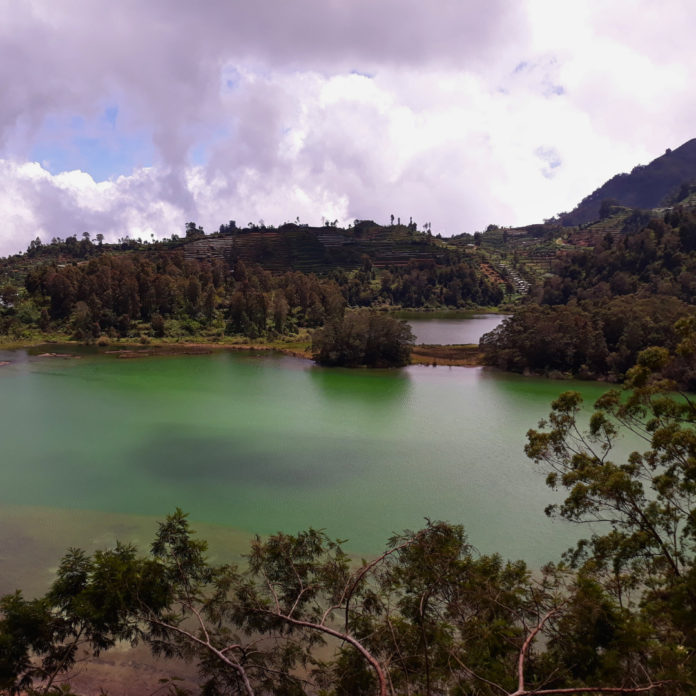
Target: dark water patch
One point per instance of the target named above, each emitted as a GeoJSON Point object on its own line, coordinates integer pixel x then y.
{"type": "Point", "coordinates": [278, 444]}
{"type": "Point", "coordinates": [322, 462]}
{"type": "Point", "coordinates": [375, 389]}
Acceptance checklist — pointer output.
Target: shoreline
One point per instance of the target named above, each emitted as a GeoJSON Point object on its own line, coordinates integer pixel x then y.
{"type": "Point", "coordinates": [424, 354]}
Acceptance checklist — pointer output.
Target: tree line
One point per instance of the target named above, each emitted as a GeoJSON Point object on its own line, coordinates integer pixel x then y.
{"type": "Point", "coordinates": [160, 293]}
{"type": "Point", "coordinates": [603, 305]}
{"type": "Point", "coordinates": [430, 614]}
{"type": "Point", "coordinates": [654, 256]}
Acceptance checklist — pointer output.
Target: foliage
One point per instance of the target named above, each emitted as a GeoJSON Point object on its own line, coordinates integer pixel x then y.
{"type": "Point", "coordinates": [429, 615]}
{"type": "Point", "coordinates": [645, 558]}
{"type": "Point", "coordinates": [41, 639]}
{"type": "Point", "coordinates": [126, 294]}
{"type": "Point", "coordinates": [658, 259]}
{"type": "Point", "coordinates": [363, 338]}
{"type": "Point", "coordinates": [589, 339]}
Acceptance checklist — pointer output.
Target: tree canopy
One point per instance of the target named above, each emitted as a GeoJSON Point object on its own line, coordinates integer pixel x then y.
{"type": "Point", "coordinates": [363, 338]}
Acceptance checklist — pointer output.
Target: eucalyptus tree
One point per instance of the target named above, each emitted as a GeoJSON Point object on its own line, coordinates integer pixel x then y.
{"type": "Point", "coordinates": [643, 506]}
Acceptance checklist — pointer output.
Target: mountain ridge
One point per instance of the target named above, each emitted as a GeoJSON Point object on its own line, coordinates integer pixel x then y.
{"type": "Point", "coordinates": [646, 186]}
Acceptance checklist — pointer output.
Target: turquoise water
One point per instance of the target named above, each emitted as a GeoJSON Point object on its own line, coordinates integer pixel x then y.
{"type": "Point", "coordinates": [265, 443]}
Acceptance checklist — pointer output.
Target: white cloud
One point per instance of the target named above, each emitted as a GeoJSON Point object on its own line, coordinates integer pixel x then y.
{"type": "Point", "coordinates": [459, 113]}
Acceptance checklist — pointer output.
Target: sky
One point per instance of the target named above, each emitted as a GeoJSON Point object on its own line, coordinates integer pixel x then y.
{"type": "Point", "coordinates": [131, 118]}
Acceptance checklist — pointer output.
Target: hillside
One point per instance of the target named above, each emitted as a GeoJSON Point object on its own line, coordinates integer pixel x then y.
{"type": "Point", "coordinates": [259, 283]}
{"type": "Point", "coordinates": [318, 249]}
{"type": "Point", "coordinates": [645, 187]}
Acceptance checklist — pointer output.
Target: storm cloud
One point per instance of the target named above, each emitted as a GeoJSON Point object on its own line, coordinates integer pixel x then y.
{"type": "Point", "coordinates": [134, 117]}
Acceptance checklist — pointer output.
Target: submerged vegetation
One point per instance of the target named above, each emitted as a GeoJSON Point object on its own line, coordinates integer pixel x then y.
{"type": "Point", "coordinates": [429, 615]}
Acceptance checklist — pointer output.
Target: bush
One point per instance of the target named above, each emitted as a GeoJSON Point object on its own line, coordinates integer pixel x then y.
{"type": "Point", "coordinates": [28, 313]}
{"type": "Point", "coordinates": [158, 325]}
{"type": "Point", "coordinates": [363, 338]}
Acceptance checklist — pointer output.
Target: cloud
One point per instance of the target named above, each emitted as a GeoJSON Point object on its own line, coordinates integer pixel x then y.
{"type": "Point", "coordinates": [133, 118]}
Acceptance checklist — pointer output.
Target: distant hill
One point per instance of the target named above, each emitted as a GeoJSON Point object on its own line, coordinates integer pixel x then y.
{"type": "Point", "coordinates": [290, 247]}
{"type": "Point", "coordinates": [318, 249]}
{"type": "Point", "coordinates": [645, 187]}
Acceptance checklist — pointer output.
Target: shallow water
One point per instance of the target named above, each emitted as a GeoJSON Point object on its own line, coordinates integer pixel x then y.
{"type": "Point", "coordinates": [260, 443]}
{"type": "Point", "coordinates": [450, 328]}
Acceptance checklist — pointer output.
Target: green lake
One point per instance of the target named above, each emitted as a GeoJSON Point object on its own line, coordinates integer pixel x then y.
{"type": "Point", "coordinates": [100, 447]}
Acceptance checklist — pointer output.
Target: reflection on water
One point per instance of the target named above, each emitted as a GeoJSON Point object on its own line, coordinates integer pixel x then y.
{"type": "Point", "coordinates": [260, 445]}
{"type": "Point", "coordinates": [376, 390]}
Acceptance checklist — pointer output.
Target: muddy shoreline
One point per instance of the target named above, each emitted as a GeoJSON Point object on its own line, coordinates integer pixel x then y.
{"type": "Point", "coordinates": [445, 355]}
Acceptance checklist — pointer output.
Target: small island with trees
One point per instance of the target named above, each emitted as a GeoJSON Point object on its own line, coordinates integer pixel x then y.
{"type": "Point", "coordinates": [241, 288]}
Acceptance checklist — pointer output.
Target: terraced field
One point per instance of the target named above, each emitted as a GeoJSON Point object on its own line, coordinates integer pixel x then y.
{"type": "Point", "coordinates": [533, 247]}
{"type": "Point", "coordinates": [317, 249]}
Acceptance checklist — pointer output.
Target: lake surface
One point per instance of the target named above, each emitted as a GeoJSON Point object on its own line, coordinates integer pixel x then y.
{"type": "Point", "coordinates": [450, 328]}
{"type": "Point", "coordinates": [102, 447]}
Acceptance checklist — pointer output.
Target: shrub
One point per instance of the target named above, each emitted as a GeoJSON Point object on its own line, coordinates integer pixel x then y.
{"type": "Point", "coordinates": [363, 338]}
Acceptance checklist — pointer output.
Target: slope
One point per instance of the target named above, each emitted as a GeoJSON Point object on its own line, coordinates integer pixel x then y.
{"type": "Point", "coordinates": [645, 187]}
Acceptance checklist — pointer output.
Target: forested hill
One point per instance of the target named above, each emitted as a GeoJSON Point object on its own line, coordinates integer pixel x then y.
{"type": "Point", "coordinates": [290, 247]}
{"type": "Point", "coordinates": [605, 301]}
{"type": "Point", "coordinates": [293, 247]}
{"type": "Point", "coordinates": [645, 187]}
{"type": "Point", "coordinates": [259, 283]}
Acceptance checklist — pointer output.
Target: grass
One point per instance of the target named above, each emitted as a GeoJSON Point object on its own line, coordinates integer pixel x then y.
{"type": "Point", "coordinates": [462, 356]}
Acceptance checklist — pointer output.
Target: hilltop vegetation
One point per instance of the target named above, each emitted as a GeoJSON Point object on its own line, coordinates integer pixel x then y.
{"type": "Point", "coordinates": [645, 187]}
{"type": "Point", "coordinates": [604, 303]}
{"type": "Point", "coordinates": [590, 296]}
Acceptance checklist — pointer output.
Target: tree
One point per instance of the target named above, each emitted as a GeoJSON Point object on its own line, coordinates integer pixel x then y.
{"type": "Point", "coordinates": [209, 302]}
{"type": "Point", "coordinates": [606, 207]}
{"type": "Point", "coordinates": [41, 639]}
{"type": "Point", "coordinates": [193, 231]}
{"type": "Point", "coordinates": [193, 294]}
{"type": "Point", "coordinates": [158, 325]}
{"type": "Point", "coordinates": [100, 238]}
{"type": "Point", "coordinates": [363, 338]}
{"type": "Point", "coordinates": [280, 312]}
{"type": "Point", "coordinates": [9, 295]}
{"type": "Point", "coordinates": [645, 503]}
{"type": "Point", "coordinates": [428, 615]}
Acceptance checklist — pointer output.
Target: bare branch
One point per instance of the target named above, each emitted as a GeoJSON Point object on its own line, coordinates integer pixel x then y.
{"type": "Point", "coordinates": [207, 645]}
{"type": "Point", "coordinates": [528, 642]}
